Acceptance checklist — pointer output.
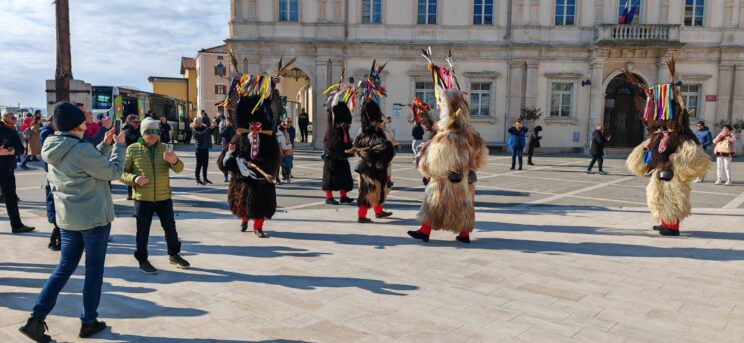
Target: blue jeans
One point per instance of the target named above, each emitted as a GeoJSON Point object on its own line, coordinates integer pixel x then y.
{"type": "Point", "coordinates": [94, 242]}
{"type": "Point", "coordinates": [517, 153]}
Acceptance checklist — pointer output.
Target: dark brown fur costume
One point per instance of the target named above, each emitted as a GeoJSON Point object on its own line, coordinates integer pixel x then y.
{"type": "Point", "coordinates": [376, 153]}
{"type": "Point", "coordinates": [248, 197]}
{"type": "Point", "coordinates": [336, 168]}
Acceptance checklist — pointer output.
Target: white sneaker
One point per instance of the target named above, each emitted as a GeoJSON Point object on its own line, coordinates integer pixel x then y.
{"type": "Point", "coordinates": [729, 183]}
{"type": "Point", "coordinates": [718, 182]}
{"type": "Point", "coordinates": [698, 180]}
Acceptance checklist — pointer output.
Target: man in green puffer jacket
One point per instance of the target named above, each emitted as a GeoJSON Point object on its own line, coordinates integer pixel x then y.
{"type": "Point", "coordinates": [147, 170]}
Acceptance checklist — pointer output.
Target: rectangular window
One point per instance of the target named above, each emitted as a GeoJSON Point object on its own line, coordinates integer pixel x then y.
{"type": "Point", "coordinates": [425, 91]}
{"type": "Point", "coordinates": [694, 12]}
{"type": "Point", "coordinates": [691, 95]}
{"type": "Point", "coordinates": [220, 89]}
{"type": "Point", "coordinates": [480, 99]}
{"type": "Point", "coordinates": [561, 99]}
{"type": "Point", "coordinates": [635, 6]}
{"type": "Point", "coordinates": [289, 10]}
{"type": "Point", "coordinates": [483, 12]}
{"type": "Point", "coordinates": [427, 12]}
{"type": "Point", "coordinates": [371, 11]}
{"type": "Point", "coordinates": [565, 12]}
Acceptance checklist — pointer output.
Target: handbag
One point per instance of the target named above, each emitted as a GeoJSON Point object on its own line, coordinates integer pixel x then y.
{"type": "Point", "coordinates": [723, 147]}
{"type": "Point", "coordinates": [27, 133]}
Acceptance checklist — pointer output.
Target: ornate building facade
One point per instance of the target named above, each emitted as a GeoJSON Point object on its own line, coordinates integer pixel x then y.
{"type": "Point", "coordinates": [561, 56]}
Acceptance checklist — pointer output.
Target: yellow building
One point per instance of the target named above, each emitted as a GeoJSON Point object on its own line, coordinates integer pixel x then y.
{"type": "Point", "coordinates": [183, 88]}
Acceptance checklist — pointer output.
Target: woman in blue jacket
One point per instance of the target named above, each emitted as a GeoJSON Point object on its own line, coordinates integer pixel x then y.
{"type": "Point", "coordinates": [517, 142]}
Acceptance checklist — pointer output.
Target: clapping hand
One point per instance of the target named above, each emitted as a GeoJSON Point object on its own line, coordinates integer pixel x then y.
{"type": "Point", "coordinates": [170, 157]}
{"type": "Point", "coordinates": [141, 181]}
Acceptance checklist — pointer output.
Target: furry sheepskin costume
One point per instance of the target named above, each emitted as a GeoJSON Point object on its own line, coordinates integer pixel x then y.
{"type": "Point", "coordinates": [254, 156]}
{"type": "Point", "coordinates": [671, 153]}
{"type": "Point", "coordinates": [449, 163]}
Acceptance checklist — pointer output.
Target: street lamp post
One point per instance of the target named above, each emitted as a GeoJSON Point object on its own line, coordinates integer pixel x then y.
{"type": "Point", "coordinates": [63, 74]}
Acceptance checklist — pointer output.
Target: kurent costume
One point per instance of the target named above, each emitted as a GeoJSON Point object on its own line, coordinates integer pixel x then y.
{"type": "Point", "coordinates": [373, 148]}
{"type": "Point", "coordinates": [257, 156]}
{"type": "Point", "coordinates": [449, 162]}
{"type": "Point", "coordinates": [336, 169]}
{"type": "Point", "coordinates": [671, 152]}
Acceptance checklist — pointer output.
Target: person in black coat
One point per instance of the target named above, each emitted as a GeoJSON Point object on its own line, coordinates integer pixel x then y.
{"type": "Point", "coordinates": [303, 120]}
{"type": "Point", "coordinates": [11, 147]}
{"type": "Point", "coordinates": [203, 138]}
{"type": "Point", "coordinates": [226, 135]}
{"type": "Point", "coordinates": [597, 149]}
{"type": "Point", "coordinates": [165, 130]}
{"type": "Point", "coordinates": [533, 141]}
{"type": "Point", "coordinates": [336, 168]}
{"type": "Point", "coordinates": [253, 158]}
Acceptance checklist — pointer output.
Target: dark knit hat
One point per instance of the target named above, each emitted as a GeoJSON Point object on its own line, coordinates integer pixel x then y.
{"type": "Point", "coordinates": [67, 116]}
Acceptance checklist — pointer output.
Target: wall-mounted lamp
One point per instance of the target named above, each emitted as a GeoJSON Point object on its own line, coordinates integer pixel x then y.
{"type": "Point", "coordinates": [586, 82]}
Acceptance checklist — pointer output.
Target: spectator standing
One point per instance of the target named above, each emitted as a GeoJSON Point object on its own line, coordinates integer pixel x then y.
{"type": "Point", "coordinates": [165, 129]}
{"type": "Point", "coordinates": [214, 129]}
{"type": "Point", "coordinates": [132, 135]}
{"type": "Point", "coordinates": [705, 140]}
{"type": "Point", "coordinates": [10, 148]}
{"type": "Point", "coordinates": [290, 130]}
{"type": "Point", "coordinates": [34, 142]}
{"type": "Point", "coordinates": [517, 142]}
{"type": "Point", "coordinates": [724, 151]}
{"type": "Point", "coordinates": [79, 176]}
{"type": "Point", "coordinates": [597, 149]}
{"type": "Point", "coordinates": [303, 120]}
{"type": "Point", "coordinates": [418, 138]}
{"type": "Point", "coordinates": [227, 135]}
{"type": "Point", "coordinates": [147, 168]}
{"type": "Point", "coordinates": [285, 144]}
{"type": "Point", "coordinates": [532, 143]}
{"type": "Point", "coordinates": [25, 131]}
{"type": "Point", "coordinates": [203, 138]}
{"type": "Point", "coordinates": [55, 242]}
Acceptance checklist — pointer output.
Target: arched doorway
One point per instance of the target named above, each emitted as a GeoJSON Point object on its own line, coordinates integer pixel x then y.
{"type": "Point", "coordinates": [622, 115]}
{"type": "Point", "coordinates": [296, 88]}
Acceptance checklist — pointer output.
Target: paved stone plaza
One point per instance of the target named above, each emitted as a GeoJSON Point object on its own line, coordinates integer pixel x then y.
{"type": "Point", "coordinates": [558, 255]}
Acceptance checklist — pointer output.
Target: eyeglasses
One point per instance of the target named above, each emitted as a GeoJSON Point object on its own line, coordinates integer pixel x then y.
{"type": "Point", "coordinates": [152, 132]}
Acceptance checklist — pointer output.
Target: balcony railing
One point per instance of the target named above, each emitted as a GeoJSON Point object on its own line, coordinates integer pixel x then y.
{"type": "Point", "coordinates": [611, 33]}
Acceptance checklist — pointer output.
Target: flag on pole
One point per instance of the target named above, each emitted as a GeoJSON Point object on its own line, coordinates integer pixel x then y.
{"type": "Point", "coordinates": [628, 12]}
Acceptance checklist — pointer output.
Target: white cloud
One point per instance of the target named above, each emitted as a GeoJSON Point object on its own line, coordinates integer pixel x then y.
{"type": "Point", "coordinates": [115, 42]}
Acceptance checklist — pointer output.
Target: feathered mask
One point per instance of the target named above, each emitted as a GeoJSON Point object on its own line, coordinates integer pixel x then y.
{"type": "Point", "coordinates": [664, 103]}
{"type": "Point", "coordinates": [444, 77]}
{"type": "Point", "coordinates": [419, 108]}
{"type": "Point", "coordinates": [341, 93]}
{"type": "Point", "coordinates": [248, 84]}
{"type": "Point", "coordinates": [372, 88]}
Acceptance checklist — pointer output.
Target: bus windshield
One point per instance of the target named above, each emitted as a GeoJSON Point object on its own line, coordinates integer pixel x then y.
{"type": "Point", "coordinates": [102, 98]}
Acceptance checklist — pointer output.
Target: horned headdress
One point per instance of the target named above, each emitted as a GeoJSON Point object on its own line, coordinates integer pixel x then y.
{"type": "Point", "coordinates": [371, 92]}
{"type": "Point", "coordinates": [445, 81]}
{"type": "Point", "coordinates": [341, 100]}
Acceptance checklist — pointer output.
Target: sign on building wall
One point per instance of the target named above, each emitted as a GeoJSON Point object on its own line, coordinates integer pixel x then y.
{"type": "Point", "coordinates": [397, 110]}
{"type": "Point", "coordinates": [711, 97]}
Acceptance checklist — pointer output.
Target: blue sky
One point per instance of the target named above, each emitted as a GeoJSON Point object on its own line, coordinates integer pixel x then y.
{"type": "Point", "coordinates": [116, 42]}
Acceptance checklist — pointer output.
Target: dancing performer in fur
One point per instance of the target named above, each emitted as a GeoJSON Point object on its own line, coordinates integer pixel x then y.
{"type": "Point", "coordinates": [373, 148]}
{"type": "Point", "coordinates": [449, 162]}
{"type": "Point", "coordinates": [671, 152]}
{"type": "Point", "coordinates": [336, 169]}
{"type": "Point", "coordinates": [253, 156]}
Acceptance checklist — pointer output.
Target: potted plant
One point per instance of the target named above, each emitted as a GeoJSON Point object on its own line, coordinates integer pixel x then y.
{"type": "Point", "coordinates": [530, 115]}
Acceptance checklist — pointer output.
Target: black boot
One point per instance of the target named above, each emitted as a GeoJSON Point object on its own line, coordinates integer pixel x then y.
{"type": "Point", "coordinates": [419, 235]}
{"type": "Point", "coordinates": [331, 201]}
{"type": "Point", "coordinates": [207, 180]}
{"type": "Point", "coordinates": [34, 329]}
{"type": "Point", "coordinates": [668, 232]}
{"type": "Point", "coordinates": [346, 200]}
{"type": "Point", "coordinates": [54, 246]}
{"type": "Point", "coordinates": [87, 330]}
{"type": "Point", "coordinates": [199, 181]}
{"type": "Point", "coordinates": [383, 214]}
{"type": "Point", "coordinates": [243, 226]}
{"type": "Point", "coordinates": [260, 234]}
{"type": "Point", "coordinates": [364, 220]}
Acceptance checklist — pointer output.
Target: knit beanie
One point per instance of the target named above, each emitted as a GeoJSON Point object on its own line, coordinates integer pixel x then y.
{"type": "Point", "coordinates": [149, 124]}
{"type": "Point", "coordinates": [67, 116]}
